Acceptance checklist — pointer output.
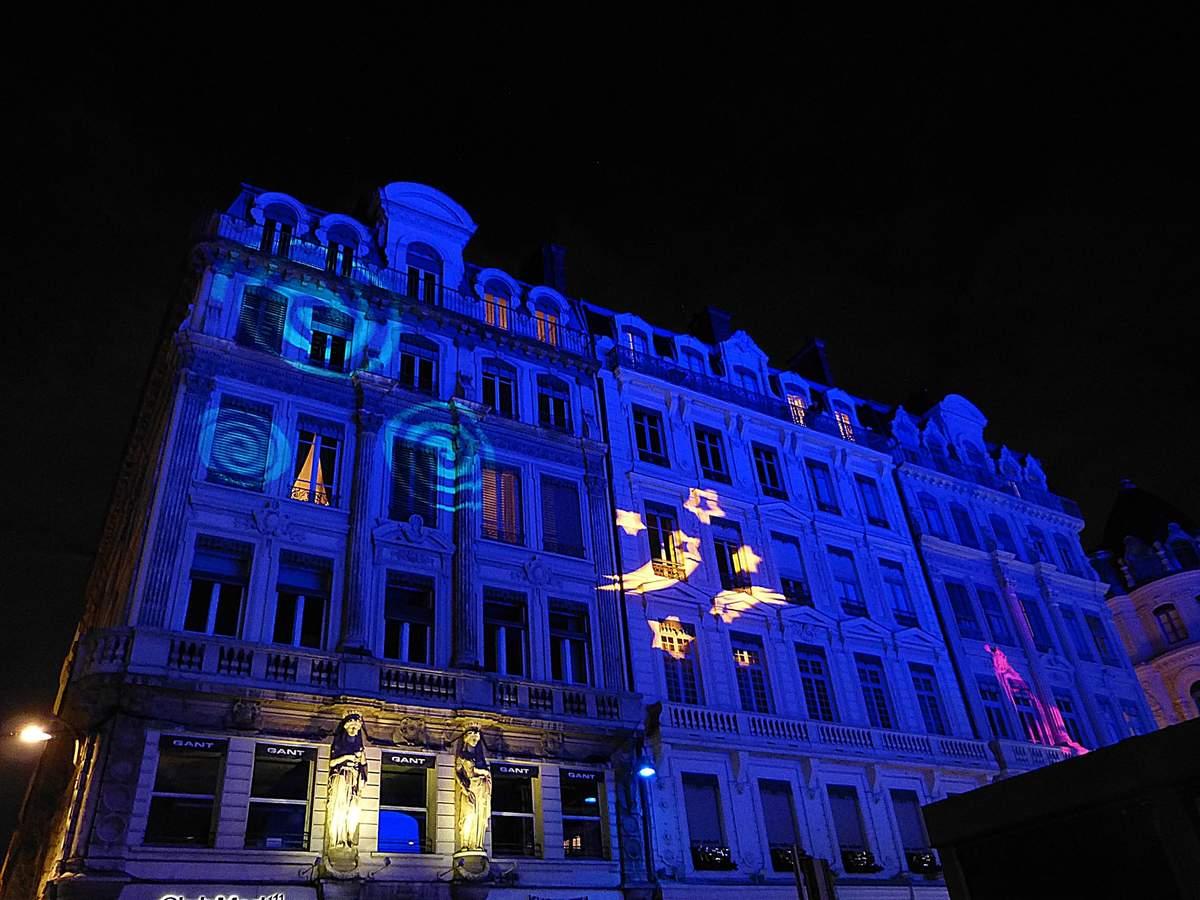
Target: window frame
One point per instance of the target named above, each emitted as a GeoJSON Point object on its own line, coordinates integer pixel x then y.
{"type": "Point", "coordinates": [818, 470]}
{"type": "Point", "coordinates": [262, 750]}
{"type": "Point", "coordinates": [710, 454]}
{"type": "Point", "coordinates": [169, 745]}
{"type": "Point", "coordinates": [648, 429]}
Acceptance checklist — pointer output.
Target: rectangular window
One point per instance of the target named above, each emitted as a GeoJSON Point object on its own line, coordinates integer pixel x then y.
{"type": "Point", "coordinates": [562, 529]}
{"type": "Point", "coordinates": [779, 815]}
{"type": "Point", "coordinates": [547, 326]}
{"type": "Point", "coordinates": [220, 573]}
{"type": "Point", "coordinates": [997, 617]}
{"type": "Point", "coordinates": [279, 797]}
{"type": "Point", "coordinates": [814, 679]}
{"type": "Point", "coordinates": [766, 465]}
{"type": "Point", "coordinates": [896, 586]}
{"type": "Point", "coordinates": [994, 706]}
{"type": "Point", "coordinates": [798, 408]}
{"type": "Point", "coordinates": [301, 599]}
{"type": "Point", "coordinates": [964, 527]}
{"type": "Point", "coordinates": [750, 666]}
{"type": "Point", "coordinates": [1066, 553]}
{"type": "Point", "coordinates": [261, 320]}
{"type": "Point", "coordinates": [874, 690]}
{"type": "Point", "coordinates": [934, 523]}
{"type": "Point", "coordinates": [496, 309]}
{"type": "Point", "coordinates": [340, 259]}
{"type": "Point", "coordinates": [583, 813]}
{"type": "Point", "coordinates": [240, 444]}
{"type": "Point", "coordinates": [706, 828]}
{"type": "Point", "coordinates": [727, 541]}
{"type": "Point", "coordinates": [500, 389]}
{"type": "Point", "coordinates": [315, 473]}
{"type": "Point", "coordinates": [514, 830]}
{"type": "Point", "coordinates": [1070, 720]}
{"type": "Point", "coordinates": [554, 404]}
{"type": "Point", "coordinates": [1104, 645]}
{"type": "Point", "coordinates": [1070, 619]}
{"type": "Point", "coordinates": [711, 452]}
{"type": "Point", "coordinates": [845, 583]}
{"type": "Point", "coordinates": [276, 237]}
{"type": "Point", "coordinates": [964, 610]}
{"type": "Point", "coordinates": [793, 577]}
{"type": "Point", "coordinates": [872, 500]}
{"type": "Point", "coordinates": [1027, 713]}
{"type": "Point", "coordinates": [408, 619]}
{"type": "Point", "coordinates": [570, 643]}
{"type": "Point", "coordinates": [502, 504]}
{"type": "Point", "coordinates": [1037, 625]}
{"type": "Point", "coordinates": [660, 531]}
{"type": "Point", "coordinates": [847, 819]}
{"type": "Point", "coordinates": [822, 486]}
{"type": "Point", "coordinates": [1171, 624]}
{"type": "Point", "coordinates": [1134, 723]}
{"type": "Point", "coordinates": [331, 330]}
{"type": "Point", "coordinates": [845, 425]}
{"type": "Point", "coordinates": [913, 839]}
{"type": "Point", "coordinates": [677, 640]}
{"type": "Point", "coordinates": [648, 433]}
{"type": "Point", "coordinates": [505, 633]}
{"type": "Point", "coordinates": [404, 802]}
{"type": "Point", "coordinates": [418, 364]}
{"type": "Point", "coordinates": [186, 786]}
{"type": "Point", "coordinates": [414, 483]}
{"type": "Point", "coordinates": [1037, 541]}
{"type": "Point", "coordinates": [1003, 534]}
{"type": "Point", "coordinates": [928, 698]}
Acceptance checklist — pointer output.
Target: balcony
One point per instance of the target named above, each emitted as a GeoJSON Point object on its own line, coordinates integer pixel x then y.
{"type": "Point", "coordinates": [665, 370]}
{"type": "Point", "coordinates": [859, 861]}
{"type": "Point", "coordinates": [513, 321]}
{"type": "Point", "coordinates": [812, 736]}
{"type": "Point", "coordinates": [1022, 755]}
{"type": "Point", "coordinates": [709, 857]}
{"type": "Point", "coordinates": [217, 661]}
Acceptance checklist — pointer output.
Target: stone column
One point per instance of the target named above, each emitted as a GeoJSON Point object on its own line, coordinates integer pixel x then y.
{"type": "Point", "coordinates": [611, 670]}
{"type": "Point", "coordinates": [1039, 683]}
{"type": "Point", "coordinates": [356, 597]}
{"type": "Point", "coordinates": [167, 539]}
{"type": "Point", "coordinates": [467, 607]}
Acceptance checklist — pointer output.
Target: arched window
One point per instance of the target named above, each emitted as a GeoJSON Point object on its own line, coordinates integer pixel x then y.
{"type": "Point", "coordinates": [546, 318]}
{"type": "Point", "coordinates": [845, 421]}
{"type": "Point", "coordinates": [342, 244]}
{"type": "Point", "coordinates": [634, 340]}
{"type": "Point", "coordinates": [1171, 624]}
{"type": "Point", "coordinates": [1185, 554]}
{"type": "Point", "coordinates": [797, 406]}
{"type": "Point", "coordinates": [279, 224]}
{"type": "Point", "coordinates": [746, 379]}
{"type": "Point", "coordinates": [497, 304]}
{"type": "Point", "coordinates": [424, 272]}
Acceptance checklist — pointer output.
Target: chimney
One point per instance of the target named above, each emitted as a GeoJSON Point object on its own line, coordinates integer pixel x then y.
{"type": "Point", "coordinates": [711, 325]}
{"type": "Point", "coordinates": [554, 267]}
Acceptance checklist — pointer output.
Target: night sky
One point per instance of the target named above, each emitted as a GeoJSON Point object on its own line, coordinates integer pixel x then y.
{"type": "Point", "coordinates": [1015, 221]}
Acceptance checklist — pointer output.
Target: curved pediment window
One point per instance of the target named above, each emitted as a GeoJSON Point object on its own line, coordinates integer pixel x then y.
{"type": "Point", "coordinates": [424, 272]}
{"type": "Point", "coordinates": [279, 227]}
{"type": "Point", "coordinates": [497, 303]}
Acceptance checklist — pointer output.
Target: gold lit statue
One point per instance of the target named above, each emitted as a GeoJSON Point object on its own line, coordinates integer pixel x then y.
{"type": "Point", "coordinates": [347, 778]}
{"type": "Point", "coordinates": [474, 796]}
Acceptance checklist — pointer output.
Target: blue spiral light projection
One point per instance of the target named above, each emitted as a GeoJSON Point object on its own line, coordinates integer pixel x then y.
{"type": "Point", "coordinates": [430, 425]}
{"type": "Point", "coordinates": [241, 446]}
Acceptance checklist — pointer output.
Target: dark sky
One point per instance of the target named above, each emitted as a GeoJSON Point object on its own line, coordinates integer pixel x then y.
{"type": "Point", "coordinates": [1009, 216]}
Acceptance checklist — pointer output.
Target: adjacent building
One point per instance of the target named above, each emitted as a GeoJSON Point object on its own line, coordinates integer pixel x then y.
{"type": "Point", "coordinates": [1150, 562]}
{"type": "Point", "coordinates": [373, 478]}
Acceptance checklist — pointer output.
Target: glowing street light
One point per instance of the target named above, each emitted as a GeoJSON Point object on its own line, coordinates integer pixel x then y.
{"type": "Point", "coordinates": [34, 734]}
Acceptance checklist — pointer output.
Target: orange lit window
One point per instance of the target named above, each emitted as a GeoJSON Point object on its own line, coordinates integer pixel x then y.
{"type": "Point", "coordinates": [495, 310]}
{"type": "Point", "coordinates": [316, 468]}
{"type": "Point", "coordinates": [797, 407]}
{"type": "Point", "coordinates": [547, 327]}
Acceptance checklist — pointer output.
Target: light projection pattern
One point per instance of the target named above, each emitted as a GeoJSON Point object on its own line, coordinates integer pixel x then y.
{"type": "Point", "coordinates": [671, 638]}
{"type": "Point", "coordinates": [1014, 685]}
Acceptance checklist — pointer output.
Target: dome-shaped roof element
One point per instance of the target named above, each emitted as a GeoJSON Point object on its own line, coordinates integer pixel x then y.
{"type": "Point", "coordinates": [1140, 514]}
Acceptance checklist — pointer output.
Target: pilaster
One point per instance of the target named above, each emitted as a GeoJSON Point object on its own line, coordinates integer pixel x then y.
{"type": "Point", "coordinates": [355, 637]}
{"type": "Point", "coordinates": [608, 596]}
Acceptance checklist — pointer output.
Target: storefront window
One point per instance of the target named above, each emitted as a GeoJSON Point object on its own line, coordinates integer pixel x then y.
{"type": "Point", "coordinates": [404, 803]}
{"type": "Point", "coordinates": [279, 797]}
{"type": "Point", "coordinates": [582, 812]}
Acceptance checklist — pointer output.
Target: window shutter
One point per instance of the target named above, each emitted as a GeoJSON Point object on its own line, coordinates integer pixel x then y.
{"type": "Point", "coordinates": [561, 527]}
{"type": "Point", "coordinates": [240, 444]}
{"type": "Point", "coordinates": [332, 319]}
{"type": "Point", "coordinates": [303, 573]}
{"type": "Point", "coordinates": [261, 320]}
{"type": "Point", "coordinates": [414, 483]}
{"type": "Point", "coordinates": [491, 508]}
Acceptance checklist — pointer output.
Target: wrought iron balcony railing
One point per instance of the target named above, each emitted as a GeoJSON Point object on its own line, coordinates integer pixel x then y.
{"type": "Point", "coordinates": [510, 318]}
{"type": "Point", "coordinates": [665, 370]}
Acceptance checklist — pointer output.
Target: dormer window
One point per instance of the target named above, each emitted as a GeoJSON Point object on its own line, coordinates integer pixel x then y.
{"type": "Point", "coordinates": [746, 379]}
{"type": "Point", "coordinates": [279, 224]}
{"type": "Point", "coordinates": [845, 423]}
{"type": "Point", "coordinates": [331, 332]}
{"type": "Point", "coordinates": [424, 272]}
{"type": "Point", "coordinates": [693, 360]}
{"type": "Point", "coordinates": [634, 340]}
{"type": "Point", "coordinates": [497, 304]}
{"type": "Point", "coordinates": [798, 407]}
{"type": "Point", "coordinates": [340, 257]}
{"type": "Point", "coordinates": [546, 319]}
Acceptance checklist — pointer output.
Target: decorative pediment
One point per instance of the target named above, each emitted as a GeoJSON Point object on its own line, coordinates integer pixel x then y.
{"type": "Point", "coordinates": [272, 521]}
{"type": "Point", "coordinates": [916, 639]}
{"type": "Point", "coordinates": [413, 533]}
{"type": "Point", "coordinates": [863, 628]}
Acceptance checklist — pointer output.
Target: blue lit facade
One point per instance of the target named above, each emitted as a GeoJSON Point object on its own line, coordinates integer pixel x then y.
{"type": "Point", "coordinates": [370, 476]}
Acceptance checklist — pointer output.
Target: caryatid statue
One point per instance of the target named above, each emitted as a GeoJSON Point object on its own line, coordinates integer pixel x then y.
{"type": "Point", "coordinates": [474, 795]}
{"type": "Point", "coordinates": [347, 778]}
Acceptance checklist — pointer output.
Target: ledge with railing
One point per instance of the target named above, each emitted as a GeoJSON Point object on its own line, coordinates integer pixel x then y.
{"type": "Point", "coordinates": [508, 317]}
{"type": "Point", "coordinates": [665, 370]}
{"type": "Point", "coordinates": [811, 735]}
{"type": "Point", "coordinates": [224, 660]}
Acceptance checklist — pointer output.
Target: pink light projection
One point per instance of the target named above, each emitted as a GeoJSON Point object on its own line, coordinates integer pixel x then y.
{"type": "Point", "coordinates": [1050, 719]}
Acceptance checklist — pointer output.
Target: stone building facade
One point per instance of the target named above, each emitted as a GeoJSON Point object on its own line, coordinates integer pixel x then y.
{"type": "Point", "coordinates": [372, 478]}
{"type": "Point", "coordinates": [1150, 562]}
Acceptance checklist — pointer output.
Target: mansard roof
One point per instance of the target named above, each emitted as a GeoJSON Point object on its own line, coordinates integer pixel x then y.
{"type": "Point", "coordinates": [1139, 513]}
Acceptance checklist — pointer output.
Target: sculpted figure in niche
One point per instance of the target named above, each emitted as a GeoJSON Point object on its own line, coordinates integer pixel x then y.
{"type": "Point", "coordinates": [474, 790]}
{"type": "Point", "coordinates": [347, 778]}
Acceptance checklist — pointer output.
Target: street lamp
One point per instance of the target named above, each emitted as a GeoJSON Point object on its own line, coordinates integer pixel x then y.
{"type": "Point", "coordinates": [36, 733]}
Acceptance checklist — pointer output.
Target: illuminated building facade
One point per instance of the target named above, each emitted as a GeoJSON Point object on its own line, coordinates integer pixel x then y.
{"type": "Point", "coordinates": [368, 479]}
{"type": "Point", "coordinates": [793, 635]}
{"type": "Point", "coordinates": [1150, 560]}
